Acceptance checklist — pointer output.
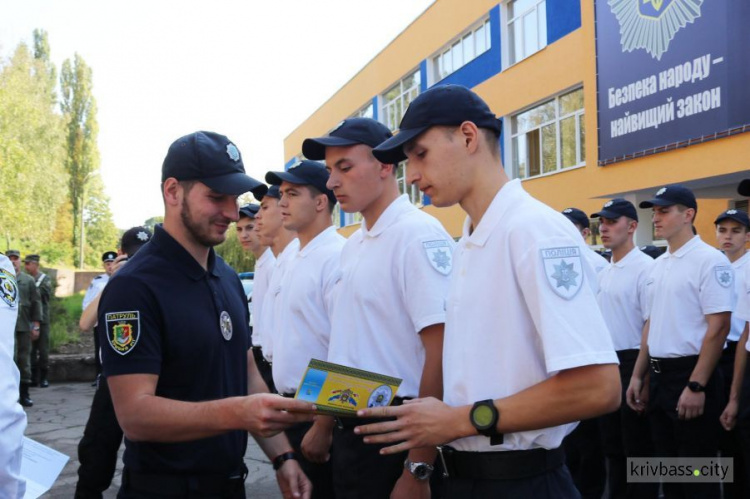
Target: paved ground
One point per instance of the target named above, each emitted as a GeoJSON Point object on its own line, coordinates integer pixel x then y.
{"type": "Point", "coordinates": [59, 416]}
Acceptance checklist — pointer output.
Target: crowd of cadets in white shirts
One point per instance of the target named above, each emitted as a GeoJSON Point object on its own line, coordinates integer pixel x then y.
{"type": "Point", "coordinates": [670, 296]}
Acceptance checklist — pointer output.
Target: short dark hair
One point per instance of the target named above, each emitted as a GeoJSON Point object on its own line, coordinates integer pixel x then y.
{"type": "Point", "coordinates": [314, 191]}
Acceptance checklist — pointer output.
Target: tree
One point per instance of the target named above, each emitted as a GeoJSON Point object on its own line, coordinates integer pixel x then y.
{"type": "Point", "coordinates": [101, 234]}
{"type": "Point", "coordinates": [79, 109]}
{"type": "Point", "coordinates": [151, 222]}
{"type": "Point", "coordinates": [232, 253]}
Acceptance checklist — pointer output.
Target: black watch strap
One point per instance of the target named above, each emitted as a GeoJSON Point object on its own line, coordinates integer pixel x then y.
{"type": "Point", "coordinates": [279, 460]}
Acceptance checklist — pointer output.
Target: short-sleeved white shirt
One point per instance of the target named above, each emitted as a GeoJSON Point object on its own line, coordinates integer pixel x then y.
{"type": "Point", "coordinates": [302, 309]}
{"type": "Point", "coordinates": [695, 281]}
{"type": "Point", "coordinates": [268, 320]}
{"type": "Point", "coordinates": [738, 324]}
{"type": "Point", "coordinates": [12, 415]}
{"type": "Point", "coordinates": [394, 284]}
{"type": "Point", "coordinates": [742, 309]}
{"type": "Point", "coordinates": [262, 276]}
{"type": "Point", "coordinates": [597, 261]}
{"type": "Point", "coordinates": [96, 287]}
{"type": "Point", "coordinates": [521, 308]}
{"type": "Point", "coordinates": [623, 298]}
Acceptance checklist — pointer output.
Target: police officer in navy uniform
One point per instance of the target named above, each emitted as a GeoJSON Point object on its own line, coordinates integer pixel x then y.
{"type": "Point", "coordinates": [693, 297]}
{"type": "Point", "coordinates": [176, 344]}
{"type": "Point", "coordinates": [526, 350]}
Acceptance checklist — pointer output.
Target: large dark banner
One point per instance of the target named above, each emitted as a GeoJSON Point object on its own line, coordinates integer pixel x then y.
{"type": "Point", "coordinates": [670, 73]}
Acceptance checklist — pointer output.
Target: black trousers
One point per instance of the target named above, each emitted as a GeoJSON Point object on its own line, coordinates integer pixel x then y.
{"type": "Point", "coordinates": [97, 450]}
{"type": "Point", "coordinates": [625, 433]}
{"type": "Point", "coordinates": [321, 475]}
{"type": "Point", "coordinates": [555, 484]}
{"type": "Point", "coordinates": [730, 441]}
{"type": "Point", "coordinates": [359, 471]}
{"type": "Point", "coordinates": [743, 427]}
{"type": "Point", "coordinates": [584, 458]}
{"type": "Point", "coordinates": [674, 437]}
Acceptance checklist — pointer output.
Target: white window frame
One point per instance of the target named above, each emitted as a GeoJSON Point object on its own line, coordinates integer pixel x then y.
{"type": "Point", "coordinates": [405, 96]}
{"type": "Point", "coordinates": [415, 195]}
{"type": "Point", "coordinates": [362, 112]}
{"type": "Point", "coordinates": [508, 42]}
{"type": "Point", "coordinates": [578, 115]}
{"type": "Point", "coordinates": [460, 42]}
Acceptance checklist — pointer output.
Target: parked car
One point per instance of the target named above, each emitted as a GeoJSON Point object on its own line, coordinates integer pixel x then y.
{"type": "Point", "coordinates": [247, 284]}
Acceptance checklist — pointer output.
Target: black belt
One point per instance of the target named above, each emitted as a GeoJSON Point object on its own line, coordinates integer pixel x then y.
{"type": "Point", "coordinates": [659, 365]}
{"type": "Point", "coordinates": [506, 465]}
{"type": "Point", "coordinates": [183, 485]}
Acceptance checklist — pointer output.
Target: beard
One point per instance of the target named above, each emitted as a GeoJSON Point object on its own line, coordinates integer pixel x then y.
{"type": "Point", "coordinates": [201, 233]}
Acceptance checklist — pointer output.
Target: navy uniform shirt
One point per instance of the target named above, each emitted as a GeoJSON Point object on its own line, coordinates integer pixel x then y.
{"type": "Point", "coordinates": [163, 314]}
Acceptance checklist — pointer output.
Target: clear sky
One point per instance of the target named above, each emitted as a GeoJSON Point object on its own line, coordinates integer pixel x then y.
{"type": "Point", "coordinates": [252, 70]}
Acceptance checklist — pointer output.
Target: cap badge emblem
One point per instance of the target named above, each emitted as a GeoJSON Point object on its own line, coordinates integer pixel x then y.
{"type": "Point", "coordinates": [608, 204]}
{"type": "Point", "coordinates": [296, 163]}
{"type": "Point", "coordinates": [731, 212]}
{"type": "Point", "coordinates": [142, 236]}
{"type": "Point", "coordinates": [233, 152]}
{"type": "Point", "coordinates": [661, 191]}
{"type": "Point", "coordinates": [568, 210]}
{"type": "Point", "coordinates": [337, 126]}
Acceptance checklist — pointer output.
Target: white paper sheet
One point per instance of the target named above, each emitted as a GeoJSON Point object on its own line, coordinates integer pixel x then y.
{"type": "Point", "coordinates": [40, 467]}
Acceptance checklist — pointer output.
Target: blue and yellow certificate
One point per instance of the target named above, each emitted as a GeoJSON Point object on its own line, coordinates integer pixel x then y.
{"type": "Point", "coordinates": [338, 390]}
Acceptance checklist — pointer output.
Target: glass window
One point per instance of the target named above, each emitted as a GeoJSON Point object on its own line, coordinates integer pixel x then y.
{"type": "Point", "coordinates": [397, 98]}
{"type": "Point", "coordinates": [365, 112]}
{"type": "Point", "coordinates": [468, 46]}
{"type": "Point", "coordinates": [415, 195]}
{"type": "Point", "coordinates": [527, 28]}
{"type": "Point", "coordinates": [549, 137]}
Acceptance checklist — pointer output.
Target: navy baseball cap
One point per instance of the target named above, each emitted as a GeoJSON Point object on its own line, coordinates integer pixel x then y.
{"type": "Point", "coordinates": [249, 210]}
{"type": "Point", "coordinates": [211, 159]}
{"type": "Point", "coordinates": [744, 188]}
{"type": "Point", "coordinates": [273, 192]}
{"type": "Point", "coordinates": [350, 132]}
{"type": "Point", "coordinates": [738, 216]}
{"type": "Point", "coordinates": [577, 216]}
{"type": "Point", "coordinates": [671, 195]}
{"type": "Point", "coordinates": [616, 208]}
{"type": "Point", "coordinates": [109, 256]}
{"type": "Point", "coordinates": [304, 172]}
{"type": "Point", "coordinates": [445, 105]}
{"type": "Point", "coordinates": [133, 238]}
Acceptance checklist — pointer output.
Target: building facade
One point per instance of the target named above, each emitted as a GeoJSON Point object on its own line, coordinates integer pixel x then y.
{"type": "Point", "coordinates": [598, 99]}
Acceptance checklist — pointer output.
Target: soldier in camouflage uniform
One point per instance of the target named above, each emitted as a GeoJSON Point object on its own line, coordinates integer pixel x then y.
{"type": "Point", "coordinates": [40, 346]}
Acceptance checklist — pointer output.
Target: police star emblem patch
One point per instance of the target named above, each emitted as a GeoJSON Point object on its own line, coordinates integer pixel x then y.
{"type": "Point", "coordinates": [439, 255]}
{"type": "Point", "coordinates": [724, 275]}
{"type": "Point", "coordinates": [563, 270]}
{"type": "Point", "coordinates": [225, 324]}
{"type": "Point", "coordinates": [8, 288]}
{"type": "Point", "coordinates": [123, 330]}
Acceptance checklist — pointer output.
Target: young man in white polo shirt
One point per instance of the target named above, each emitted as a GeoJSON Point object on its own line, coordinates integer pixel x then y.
{"type": "Point", "coordinates": [283, 244]}
{"type": "Point", "coordinates": [525, 342]}
{"type": "Point", "coordinates": [302, 309]}
{"type": "Point", "coordinates": [732, 234]}
{"type": "Point", "coordinates": [250, 239]}
{"type": "Point", "coordinates": [582, 223]}
{"type": "Point", "coordinates": [692, 288]}
{"type": "Point", "coordinates": [623, 300]}
{"type": "Point", "coordinates": [390, 305]}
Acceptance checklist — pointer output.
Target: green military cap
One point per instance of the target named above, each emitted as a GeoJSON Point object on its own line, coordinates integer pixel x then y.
{"type": "Point", "coordinates": [31, 258]}
{"type": "Point", "coordinates": [11, 253]}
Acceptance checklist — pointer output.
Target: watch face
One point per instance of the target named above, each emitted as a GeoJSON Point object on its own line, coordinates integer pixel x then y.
{"type": "Point", "coordinates": [482, 416]}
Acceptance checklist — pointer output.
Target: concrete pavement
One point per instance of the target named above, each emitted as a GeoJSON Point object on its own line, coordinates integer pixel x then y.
{"type": "Point", "coordinates": [59, 416]}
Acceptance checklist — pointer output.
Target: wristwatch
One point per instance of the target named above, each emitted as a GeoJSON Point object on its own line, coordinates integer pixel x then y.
{"type": "Point", "coordinates": [484, 417]}
{"type": "Point", "coordinates": [696, 387]}
{"type": "Point", "coordinates": [420, 471]}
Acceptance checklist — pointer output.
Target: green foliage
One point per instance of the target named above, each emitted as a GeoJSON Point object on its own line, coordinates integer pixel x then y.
{"type": "Point", "coordinates": [64, 314]}
{"type": "Point", "coordinates": [151, 222]}
{"type": "Point", "coordinates": [232, 253]}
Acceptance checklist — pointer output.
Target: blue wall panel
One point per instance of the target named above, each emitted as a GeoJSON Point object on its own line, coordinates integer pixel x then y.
{"type": "Point", "coordinates": [563, 17]}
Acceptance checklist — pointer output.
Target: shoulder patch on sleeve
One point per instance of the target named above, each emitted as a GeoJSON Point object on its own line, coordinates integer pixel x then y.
{"type": "Point", "coordinates": [123, 330]}
{"type": "Point", "coordinates": [563, 269]}
{"type": "Point", "coordinates": [8, 288]}
{"type": "Point", "coordinates": [440, 255]}
{"type": "Point", "coordinates": [724, 275]}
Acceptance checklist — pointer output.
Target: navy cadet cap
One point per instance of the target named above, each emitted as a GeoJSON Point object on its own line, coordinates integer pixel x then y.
{"type": "Point", "coordinates": [109, 256]}
{"type": "Point", "coordinates": [350, 132]}
{"type": "Point", "coordinates": [273, 192]}
{"type": "Point", "coordinates": [670, 195]}
{"type": "Point", "coordinates": [738, 216]}
{"type": "Point", "coordinates": [11, 253]}
{"type": "Point", "coordinates": [652, 251]}
{"type": "Point", "coordinates": [211, 159]}
{"type": "Point", "coordinates": [133, 238]}
{"type": "Point", "coordinates": [744, 188]}
{"type": "Point", "coordinates": [304, 172]}
{"type": "Point", "coordinates": [249, 210]}
{"type": "Point", "coordinates": [31, 258]}
{"type": "Point", "coordinates": [445, 105]}
{"type": "Point", "coordinates": [577, 216]}
{"type": "Point", "coordinates": [616, 208]}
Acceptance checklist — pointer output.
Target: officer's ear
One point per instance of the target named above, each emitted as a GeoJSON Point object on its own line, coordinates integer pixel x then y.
{"type": "Point", "coordinates": [470, 136]}
{"type": "Point", "coordinates": [172, 192]}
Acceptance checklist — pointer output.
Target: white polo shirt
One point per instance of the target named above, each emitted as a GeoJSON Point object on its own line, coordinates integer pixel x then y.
{"type": "Point", "coordinates": [623, 298]}
{"type": "Point", "coordinates": [394, 284]}
{"type": "Point", "coordinates": [12, 416]}
{"type": "Point", "coordinates": [742, 310]}
{"type": "Point", "coordinates": [597, 261]}
{"type": "Point", "coordinates": [521, 308]}
{"type": "Point", "coordinates": [303, 307]}
{"type": "Point", "coordinates": [695, 281]}
{"type": "Point", "coordinates": [738, 324]}
{"type": "Point", "coordinates": [268, 320]}
{"type": "Point", "coordinates": [262, 276]}
{"type": "Point", "coordinates": [96, 287]}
